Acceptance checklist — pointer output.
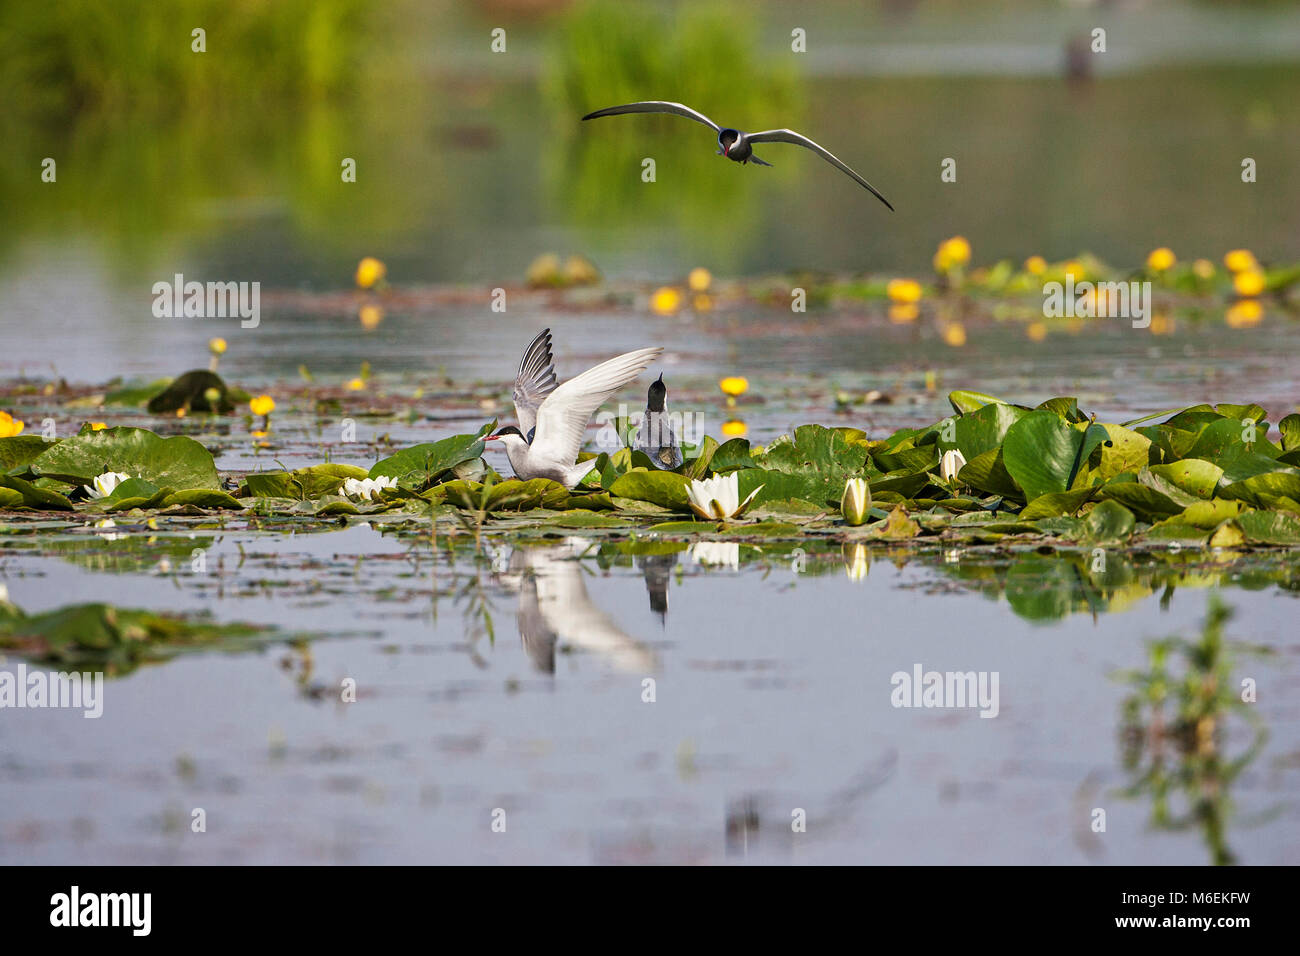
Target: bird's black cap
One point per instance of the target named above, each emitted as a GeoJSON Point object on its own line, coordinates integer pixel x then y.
{"type": "Point", "coordinates": [657, 394]}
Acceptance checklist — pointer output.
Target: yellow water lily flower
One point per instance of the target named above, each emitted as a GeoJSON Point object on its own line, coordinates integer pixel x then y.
{"type": "Point", "coordinates": [1161, 259]}
{"type": "Point", "coordinates": [356, 384]}
{"type": "Point", "coordinates": [262, 405]}
{"type": "Point", "coordinates": [952, 253]}
{"type": "Point", "coordinates": [955, 334]}
{"type": "Point", "coordinates": [9, 426]}
{"type": "Point", "coordinates": [1203, 269]}
{"type": "Point", "coordinates": [903, 290]}
{"type": "Point", "coordinates": [735, 428]}
{"type": "Point", "coordinates": [1037, 331]}
{"type": "Point", "coordinates": [1073, 267]}
{"type": "Point", "coordinates": [97, 426]}
{"type": "Point", "coordinates": [370, 271]}
{"type": "Point", "coordinates": [1244, 314]}
{"type": "Point", "coordinates": [700, 279]}
{"type": "Point", "coordinates": [217, 346]}
{"type": "Point", "coordinates": [1241, 260]}
{"type": "Point", "coordinates": [1248, 283]}
{"type": "Point", "coordinates": [733, 387]}
{"type": "Point", "coordinates": [666, 300]}
{"type": "Point", "coordinates": [371, 315]}
{"type": "Point", "coordinates": [701, 302]}
{"type": "Point", "coordinates": [1035, 265]}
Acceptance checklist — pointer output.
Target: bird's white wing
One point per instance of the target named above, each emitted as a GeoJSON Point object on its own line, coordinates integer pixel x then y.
{"type": "Point", "coordinates": [798, 139]}
{"type": "Point", "coordinates": [563, 416]}
{"type": "Point", "coordinates": [657, 106]}
{"type": "Point", "coordinates": [562, 602]}
{"type": "Point", "coordinates": [534, 380]}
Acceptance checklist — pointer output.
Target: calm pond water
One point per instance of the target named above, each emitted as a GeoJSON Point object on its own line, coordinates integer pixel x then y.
{"type": "Point", "coordinates": [512, 679]}
{"type": "Point", "coordinates": [772, 693]}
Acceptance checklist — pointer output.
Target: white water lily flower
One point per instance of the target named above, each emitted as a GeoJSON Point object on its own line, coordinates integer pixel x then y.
{"type": "Point", "coordinates": [368, 489]}
{"type": "Point", "coordinates": [105, 483]}
{"type": "Point", "coordinates": [718, 498]}
{"type": "Point", "coordinates": [856, 501]}
{"type": "Point", "coordinates": [952, 462]}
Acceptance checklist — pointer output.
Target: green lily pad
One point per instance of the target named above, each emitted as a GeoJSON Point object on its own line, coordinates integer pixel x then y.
{"type": "Point", "coordinates": [177, 462]}
{"type": "Point", "coordinates": [302, 483]}
{"type": "Point", "coordinates": [40, 499]}
{"type": "Point", "coordinates": [1290, 429]}
{"type": "Point", "coordinates": [419, 466]}
{"type": "Point", "coordinates": [662, 488]}
{"type": "Point", "coordinates": [1269, 527]}
{"type": "Point", "coordinates": [1108, 521]}
{"type": "Point", "coordinates": [1056, 503]}
{"type": "Point", "coordinates": [1041, 452]}
{"type": "Point", "coordinates": [965, 400]}
{"type": "Point", "coordinates": [1195, 476]}
{"type": "Point", "coordinates": [988, 473]}
{"type": "Point", "coordinates": [20, 450]}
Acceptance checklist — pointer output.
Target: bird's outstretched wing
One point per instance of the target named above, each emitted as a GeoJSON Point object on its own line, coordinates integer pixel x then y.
{"type": "Point", "coordinates": [563, 416]}
{"type": "Point", "coordinates": [657, 106]}
{"type": "Point", "coordinates": [798, 139]}
{"type": "Point", "coordinates": [534, 380]}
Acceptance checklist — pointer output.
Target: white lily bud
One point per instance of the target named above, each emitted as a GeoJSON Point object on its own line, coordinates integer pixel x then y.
{"type": "Point", "coordinates": [952, 462]}
{"type": "Point", "coordinates": [856, 501]}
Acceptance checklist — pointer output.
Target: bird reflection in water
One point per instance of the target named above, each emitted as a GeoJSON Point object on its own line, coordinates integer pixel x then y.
{"type": "Point", "coordinates": [554, 607]}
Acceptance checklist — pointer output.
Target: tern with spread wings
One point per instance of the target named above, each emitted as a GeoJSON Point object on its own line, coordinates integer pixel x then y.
{"type": "Point", "coordinates": [553, 419]}
{"type": "Point", "coordinates": [734, 144]}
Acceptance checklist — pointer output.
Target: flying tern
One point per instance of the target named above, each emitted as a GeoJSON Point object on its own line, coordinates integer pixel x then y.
{"type": "Point", "coordinates": [734, 144]}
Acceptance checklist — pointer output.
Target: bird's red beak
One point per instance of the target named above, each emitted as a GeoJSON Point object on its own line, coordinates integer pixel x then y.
{"type": "Point", "coordinates": [726, 150]}
{"type": "Point", "coordinates": [492, 438]}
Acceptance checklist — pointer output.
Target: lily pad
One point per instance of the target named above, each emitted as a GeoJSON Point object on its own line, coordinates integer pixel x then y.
{"type": "Point", "coordinates": [662, 488]}
{"type": "Point", "coordinates": [419, 466]}
{"type": "Point", "coordinates": [178, 462]}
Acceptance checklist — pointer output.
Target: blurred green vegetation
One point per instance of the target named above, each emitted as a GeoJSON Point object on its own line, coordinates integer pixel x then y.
{"type": "Point", "coordinates": [705, 55]}
{"type": "Point", "coordinates": [471, 163]}
{"type": "Point", "coordinates": [66, 58]}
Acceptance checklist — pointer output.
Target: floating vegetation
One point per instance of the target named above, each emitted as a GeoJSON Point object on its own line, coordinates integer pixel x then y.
{"type": "Point", "coordinates": [992, 472]}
